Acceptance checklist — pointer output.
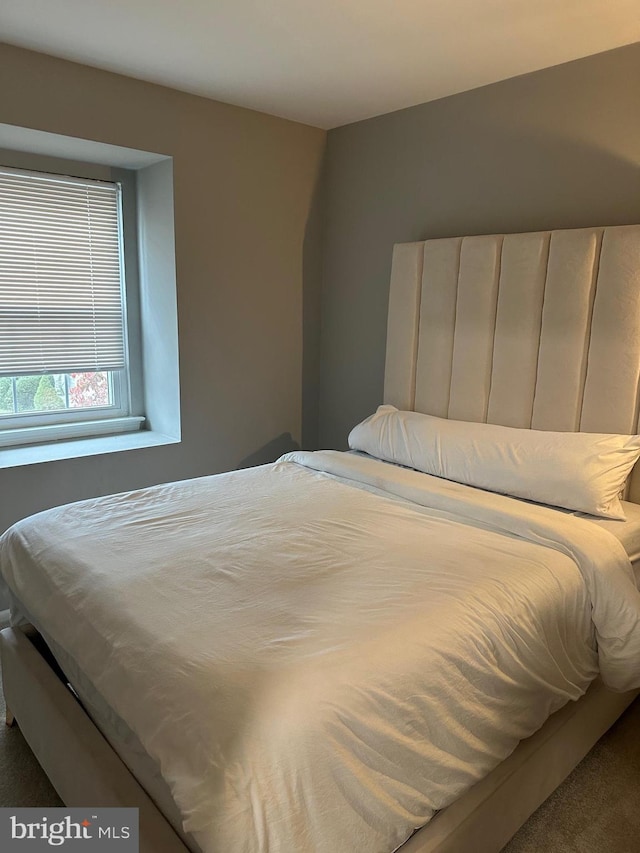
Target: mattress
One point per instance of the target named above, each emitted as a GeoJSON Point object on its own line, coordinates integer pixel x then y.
{"type": "Point", "coordinates": [317, 615]}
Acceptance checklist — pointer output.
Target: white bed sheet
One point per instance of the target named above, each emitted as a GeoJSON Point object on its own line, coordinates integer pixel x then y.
{"type": "Point", "coordinates": [626, 532]}
{"type": "Point", "coordinates": [315, 665]}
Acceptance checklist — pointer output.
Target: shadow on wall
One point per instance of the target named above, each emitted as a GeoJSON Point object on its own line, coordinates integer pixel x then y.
{"type": "Point", "coordinates": [271, 451]}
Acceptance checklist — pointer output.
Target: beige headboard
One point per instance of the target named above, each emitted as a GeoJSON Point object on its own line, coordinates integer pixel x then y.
{"type": "Point", "coordinates": [538, 330]}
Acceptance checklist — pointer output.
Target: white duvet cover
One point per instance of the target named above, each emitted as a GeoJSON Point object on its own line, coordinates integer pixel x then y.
{"type": "Point", "coordinates": [322, 652]}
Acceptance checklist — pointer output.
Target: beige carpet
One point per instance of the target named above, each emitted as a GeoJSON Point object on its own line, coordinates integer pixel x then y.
{"type": "Point", "coordinates": [596, 810]}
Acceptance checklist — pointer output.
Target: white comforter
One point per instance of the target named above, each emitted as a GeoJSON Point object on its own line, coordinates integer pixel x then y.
{"type": "Point", "coordinates": [322, 652]}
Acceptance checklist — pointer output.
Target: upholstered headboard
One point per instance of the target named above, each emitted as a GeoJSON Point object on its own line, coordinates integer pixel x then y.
{"type": "Point", "coordinates": [538, 330]}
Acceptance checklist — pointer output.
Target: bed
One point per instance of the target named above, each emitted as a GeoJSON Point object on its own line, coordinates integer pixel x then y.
{"type": "Point", "coordinates": [534, 331]}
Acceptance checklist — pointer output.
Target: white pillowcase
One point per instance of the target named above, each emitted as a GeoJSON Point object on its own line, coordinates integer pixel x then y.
{"type": "Point", "coordinates": [577, 470]}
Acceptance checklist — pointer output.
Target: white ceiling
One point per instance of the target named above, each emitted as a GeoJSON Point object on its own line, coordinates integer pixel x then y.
{"type": "Point", "coordinates": [323, 62]}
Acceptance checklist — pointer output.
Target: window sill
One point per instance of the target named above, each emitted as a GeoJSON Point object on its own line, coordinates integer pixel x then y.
{"type": "Point", "coordinates": [46, 434]}
{"type": "Point", "coordinates": [14, 457]}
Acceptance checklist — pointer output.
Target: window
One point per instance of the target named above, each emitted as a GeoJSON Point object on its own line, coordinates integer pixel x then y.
{"type": "Point", "coordinates": [98, 404]}
{"type": "Point", "coordinates": [63, 335]}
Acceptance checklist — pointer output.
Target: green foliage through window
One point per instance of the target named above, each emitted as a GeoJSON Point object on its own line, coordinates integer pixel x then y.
{"type": "Point", "coordinates": [26, 387]}
{"type": "Point", "coordinates": [6, 395]}
{"type": "Point", "coordinates": [27, 395]}
{"type": "Point", "coordinates": [47, 398]}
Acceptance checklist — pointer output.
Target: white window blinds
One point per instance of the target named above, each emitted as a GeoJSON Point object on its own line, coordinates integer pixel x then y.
{"type": "Point", "coordinates": [61, 295]}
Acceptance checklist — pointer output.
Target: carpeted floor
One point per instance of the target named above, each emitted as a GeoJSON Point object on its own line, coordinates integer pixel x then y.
{"type": "Point", "coordinates": [596, 810]}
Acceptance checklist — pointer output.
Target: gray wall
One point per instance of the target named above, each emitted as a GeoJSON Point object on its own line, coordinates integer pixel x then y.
{"type": "Point", "coordinates": [559, 148]}
{"type": "Point", "coordinates": [244, 186]}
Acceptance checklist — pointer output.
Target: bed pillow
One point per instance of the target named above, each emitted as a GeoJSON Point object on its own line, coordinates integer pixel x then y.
{"type": "Point", "coordinates": [577, 470]}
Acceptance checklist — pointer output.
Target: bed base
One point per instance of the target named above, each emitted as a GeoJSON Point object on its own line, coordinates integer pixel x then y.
{"type": "Point", "coordinates": [56, 726]}
{"type": "Point", "coordinates": [80, 763]}
{"type": "Point", "coordinates": [485, 818]}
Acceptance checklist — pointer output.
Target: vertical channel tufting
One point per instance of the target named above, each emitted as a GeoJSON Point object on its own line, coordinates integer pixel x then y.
{"type": "Point", "coordinates": [437, 324]}
{"type": "Point", "coordinates": [517, 330]}
{"type": "Point", "coordinates": [464, 330]}
{"type": "Point", "coordinates": [566, 327]}
{"type": "Point", "coordinates": [474, 328]}
{"type": "Point", "coordinates": [610, 402]}
{"type": "Point", "coordinates": [402, 325]}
